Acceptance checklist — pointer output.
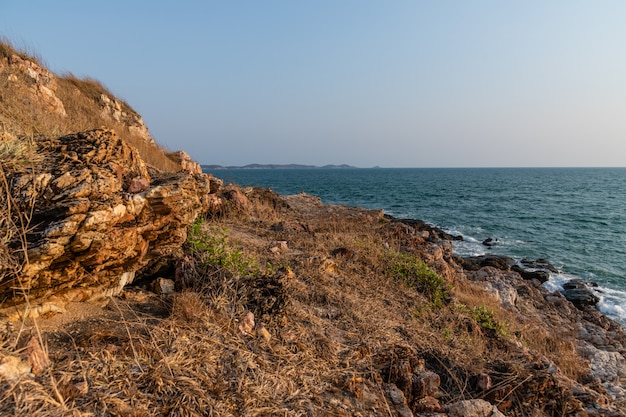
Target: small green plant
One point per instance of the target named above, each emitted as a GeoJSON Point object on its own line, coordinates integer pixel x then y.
{"type": "Point", "coordinates": [419, 276]}
{"type": "Point", "coordinates": [213, 248]}
{"type": "Point", "coordinates": [483, 317]}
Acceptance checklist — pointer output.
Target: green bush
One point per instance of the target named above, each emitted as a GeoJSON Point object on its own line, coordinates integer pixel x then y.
{"type": "Point", "coordinates": [212, 247]}
{"type": "Point", "coordinates": [484, 318]}
{"type": "Point", "coordinates": [419, 276]}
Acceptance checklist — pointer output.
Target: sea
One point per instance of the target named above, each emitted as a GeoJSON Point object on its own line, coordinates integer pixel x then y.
{"type": "Point", "coordinates": [573, 217]}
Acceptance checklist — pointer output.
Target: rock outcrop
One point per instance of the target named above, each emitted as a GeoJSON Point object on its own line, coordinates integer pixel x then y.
{"type": "Point", "coordinates": [186, 163]}
{"type": "Point", "coordinates": [38, 85]}
{"type": "Point", "coordinates": [97, 218]}
{"type": "Point", "coordinates": [113, 109]}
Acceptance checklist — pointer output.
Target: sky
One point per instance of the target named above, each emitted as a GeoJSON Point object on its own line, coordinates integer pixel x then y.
{"type": "Point", "coordinates": [367, 83]}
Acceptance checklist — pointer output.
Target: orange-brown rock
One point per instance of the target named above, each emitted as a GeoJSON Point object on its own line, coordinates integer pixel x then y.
{"type": "Point", "coordinates": [93, 226]}
{"type": "Point", "coordinates": [186, 163]}
{"type": "Point", "coordinates": [41, 85]}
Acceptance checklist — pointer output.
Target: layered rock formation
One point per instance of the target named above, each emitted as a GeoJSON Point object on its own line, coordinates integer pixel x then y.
{"type": "Point", "coordinates": [96, 217]}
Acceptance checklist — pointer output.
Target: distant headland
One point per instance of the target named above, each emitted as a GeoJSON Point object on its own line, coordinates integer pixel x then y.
{"type": "Point", "coordinates": [276, 166]}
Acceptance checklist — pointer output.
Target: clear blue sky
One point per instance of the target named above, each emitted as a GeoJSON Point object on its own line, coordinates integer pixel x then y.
{"type": "Point", "coordinates": [389, 83]}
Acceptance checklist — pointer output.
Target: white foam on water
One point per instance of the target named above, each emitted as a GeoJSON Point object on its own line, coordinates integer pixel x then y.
{"type": "Point", "coordinates": [468, 248]}
{"type": "Point", "coordinates": [556, 281]}
{"type": "Point", "coordinates": [612, 303]}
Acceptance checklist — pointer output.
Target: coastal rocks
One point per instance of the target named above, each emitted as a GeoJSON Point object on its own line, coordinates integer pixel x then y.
{"type": "Point", "coordinates": [600, 342]}
{"type": "Point", "coordinates": [113, 109]}
{"type": "Point", "coordinates": [433, 232]}
{"type": "Point", "coordinates": [186, 163]}
{"type": "Point", "coordinates": [474, 263]}
{"type": "Point", "coordinates": [539, 269]}
{"type": "Point", "coordinates": [498, 283]}
{"type": "Point", "coordinates": [578, 292]}
{"type": "Point", "coordinates": [529, 270]}
{"type": "Point", "coordinates": [581, 297]}
{"type": "Point", "coordinates": [529, 275]}
{"type": "Point", "coordinates": [609, 367]}
{"type": "Point", "coordinates": [489, 242]}
{"type": "Point", "coordinates": [88, 235]}
{"type": "Point", "coordinates": [541, 264]}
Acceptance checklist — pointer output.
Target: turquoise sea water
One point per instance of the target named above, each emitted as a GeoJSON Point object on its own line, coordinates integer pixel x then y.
{"type": "Point", "coordinates": [573, 217]}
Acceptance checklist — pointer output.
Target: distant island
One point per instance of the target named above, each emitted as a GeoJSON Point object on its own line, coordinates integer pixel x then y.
{"type": "Point", "coordinates": [275, 166]}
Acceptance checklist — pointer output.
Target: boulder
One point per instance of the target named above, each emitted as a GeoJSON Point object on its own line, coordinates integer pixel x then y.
{"type": "Point", "coordinates": [473, 408]}
{"type": "Point", "coordinates": [186, 163]}
{"type": "Point", "coordinates": [88, 235]}
{"type": "Point", "coordinates": [474, 263]}
{"type": "Point", "coordinates": [540, 275]}
{"type": "Point", "coordinates": [581, 297]}
{"type": "Point", "coordinates": [237, 200]}
{"type": "Point", "coordinates": [538, 264]}
{"type": "Point", "coordinates": [489, 242]}
{"type": "Point", "coordinates": [579, 283]}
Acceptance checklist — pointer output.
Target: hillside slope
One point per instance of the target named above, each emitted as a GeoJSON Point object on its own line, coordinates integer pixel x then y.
{"type": "Point", "coordinates": [36, 103]}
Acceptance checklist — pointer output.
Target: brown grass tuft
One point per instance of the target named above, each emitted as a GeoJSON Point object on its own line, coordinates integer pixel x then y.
{"type": "Point", "coordinates": [7, 49]}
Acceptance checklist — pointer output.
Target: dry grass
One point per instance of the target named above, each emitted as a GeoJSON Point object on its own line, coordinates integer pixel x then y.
{"type": "Point", "coordinates": [7, 49]}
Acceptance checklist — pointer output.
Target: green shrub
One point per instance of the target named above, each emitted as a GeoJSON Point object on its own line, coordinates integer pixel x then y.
{"type": "Point", "coordinates": [483, 318]}
{"type": "Point", "coordinates": [213, 248]}
{"type": "Point", "coordinates": [419, 276]}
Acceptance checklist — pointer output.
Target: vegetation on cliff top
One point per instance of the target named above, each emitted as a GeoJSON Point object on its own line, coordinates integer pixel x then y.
{"type": "Point", "coordinates": [36, 104]}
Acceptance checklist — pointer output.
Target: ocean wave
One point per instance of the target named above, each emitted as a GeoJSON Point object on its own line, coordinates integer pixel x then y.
{"type": "Point", "coordinates": [611, 303]}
